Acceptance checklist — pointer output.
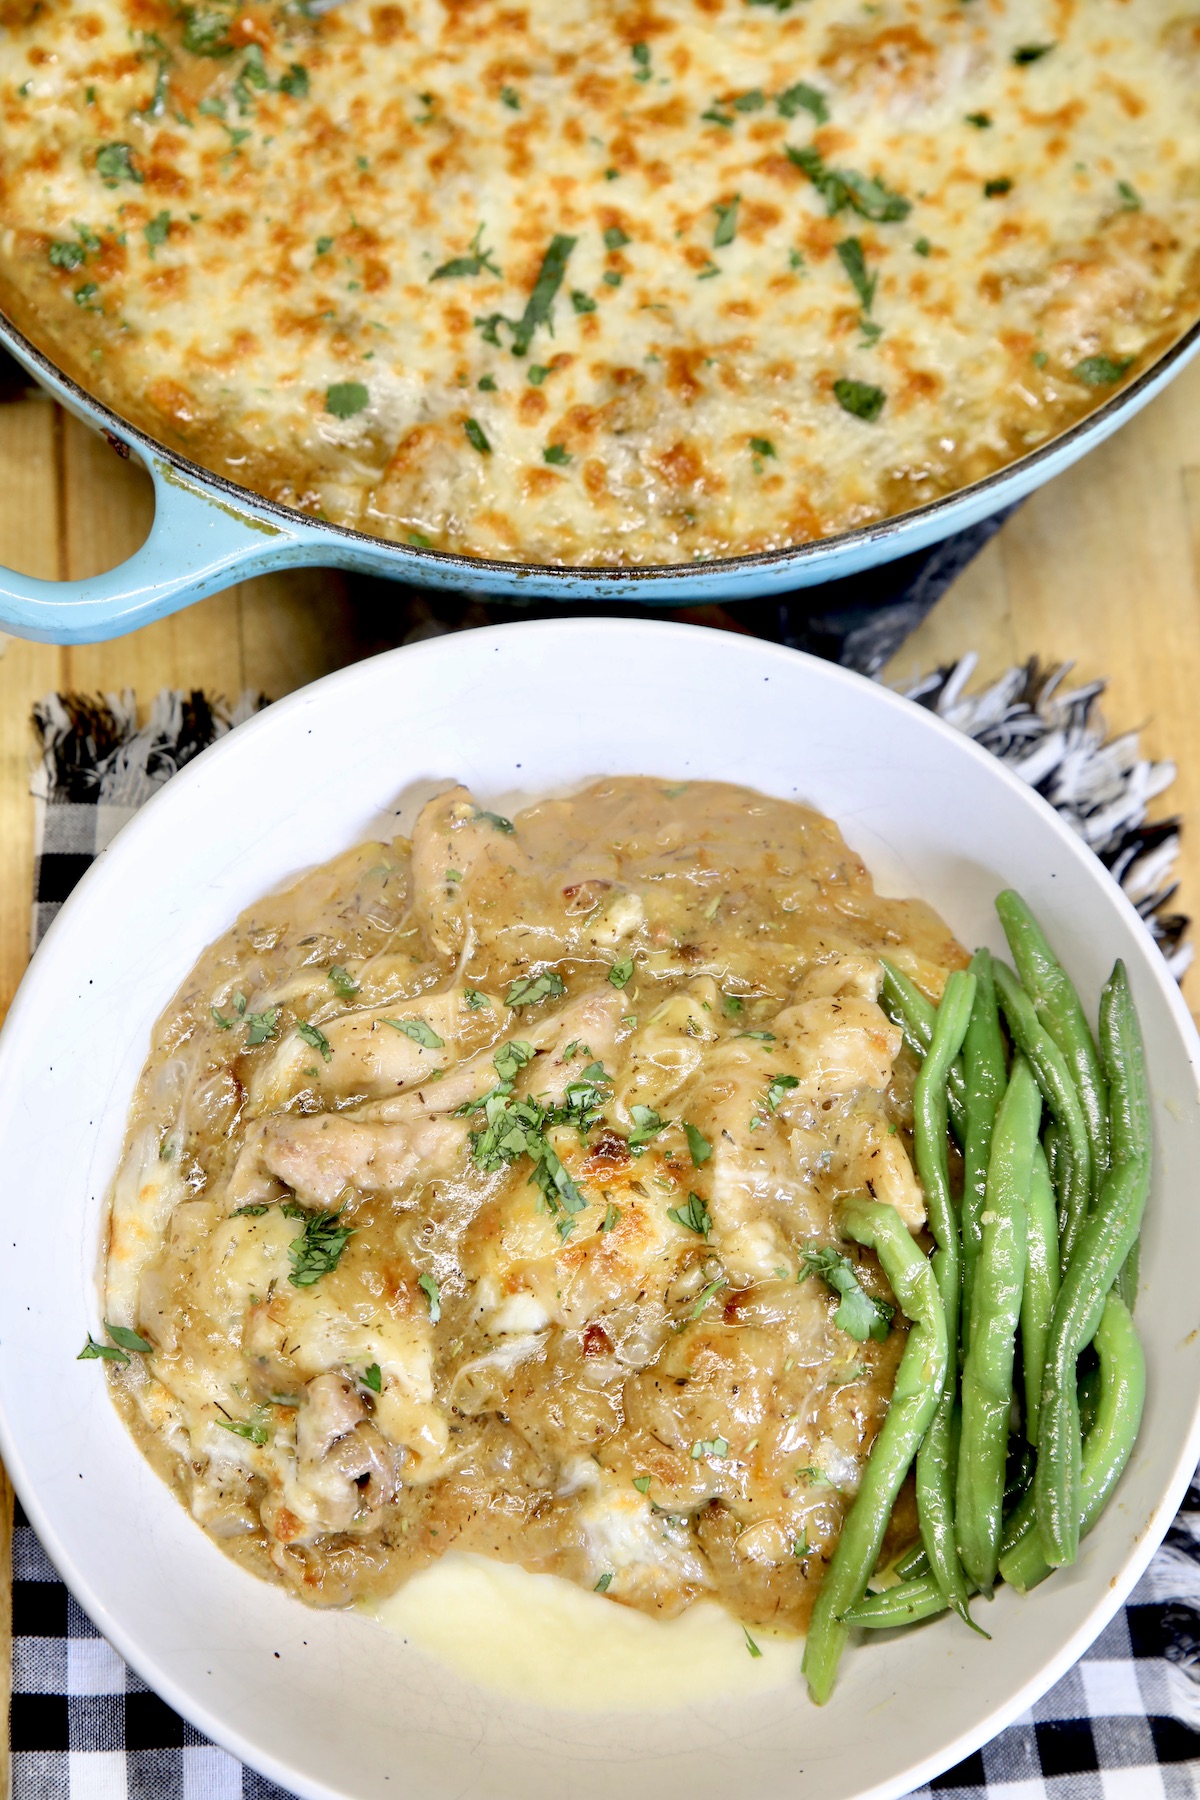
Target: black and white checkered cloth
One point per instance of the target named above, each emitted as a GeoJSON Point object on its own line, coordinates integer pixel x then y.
{"type": "Point", "coordinates": [1124, 1724]}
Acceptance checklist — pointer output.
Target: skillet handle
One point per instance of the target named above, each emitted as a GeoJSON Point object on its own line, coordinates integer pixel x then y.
{"type": "Point", "coordinates": [199, 543]}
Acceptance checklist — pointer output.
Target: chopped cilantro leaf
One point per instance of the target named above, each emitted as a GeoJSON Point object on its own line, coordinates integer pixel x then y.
{"type": "Point", "coordinates": [218, 1019]}
{"type": "Point", "coordinates": [733, 1005]}
{"type": "Point", "coordinates": [66, 255]}
{"type": "Point", "coordinates": [801, 96]}
{"type": "Point", "coordinates": [128, 1339]}
{"type": "Point", "coordinates": [108, 1352]}
{"type": "Point", "coordinates": [511, 1058]}
{"type": "Point", "coordinates": [762, 446]}
{"type": "Point", "coordinates": [527, 990]}
{"type": "Point", "coordinates": [539, 307]}
{"type": "Point", "coordinates": [778, 1087]}
{"type": "Point", "coordinates": [316, 1038]}
{"type": "Point", "coordinates": [345, 398]}
{"type": "Point", "coordinates": [646, 1125]}
{"type": "Point", "coordinates": [475, 999]}
{"type": "Point", "coordinates": [433, 1294]}
{"type": "Point", "coordinates": [716, 1447]}
{"type": "Point", "coordinates": [726, 229]}
{"type": "Point", "coordinates": [621, 972]}
{"type": "Point", "coordinates": [1101, 371]}
{"type": "Point", "coordinates": [850, 254]}
{"type": "Point", "coordinates": [840, 188]}
{"type": "Point", "coordinates": [698, 1144]}
{"type": "Point", "coordinates": [263, 1026]}
{"type": "Point", "coordinates": [860, 398]}
{"type": "Point", "coordinates": [114, 163]}
{"type": "Point", "coordinates": [860, 1315]}
{"type": "Point", "coordinates": [254, 1430]}
{"type": "Point", "coordinates": [474, 262]}
{"type": "Point", "coordinates": [477, 437]}
{"type": "Point", "coordinates": [344, 984]}
{"type": "Point", "coordinates": [695, 1216]}
{"type": "Point", "coordinates": [418, 1031]}
{"type": "Point", "coordinates": [373, 1378]}
{"type": "Point", "coordinates": [318, 1249]}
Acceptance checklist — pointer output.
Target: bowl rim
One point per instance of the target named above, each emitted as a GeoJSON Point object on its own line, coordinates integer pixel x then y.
{"type": "Point", "coordinates": [279, 716]}
{"type": "Point", "coordinates": [115, 426]}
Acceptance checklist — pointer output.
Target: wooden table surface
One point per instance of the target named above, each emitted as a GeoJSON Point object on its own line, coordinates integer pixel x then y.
{"type": "Point", "coordinates": [1101, 568]}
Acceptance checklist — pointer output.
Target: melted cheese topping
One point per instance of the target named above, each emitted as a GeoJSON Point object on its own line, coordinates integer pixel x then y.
{"type": "Point", "coordinates": [590, 283]}
{"type": "Point", "coordinates": [467, 1192]}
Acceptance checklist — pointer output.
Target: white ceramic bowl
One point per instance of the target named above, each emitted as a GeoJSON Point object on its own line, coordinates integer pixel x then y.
{"type": "Point", "coordinates": [328, 1704]}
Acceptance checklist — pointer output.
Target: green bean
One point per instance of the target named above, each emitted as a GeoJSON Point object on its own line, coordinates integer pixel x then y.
{"type": "Point", "coordinates": [984, 1070]}
{"type": "Point", "coordinates": [995, 1308]}
{"type": "Point", "coordinates": [937, 1456]}
{"type": "Point", "coordinates": [1058, 1088]}
{"type": "Point", "coordinates": [1057, 1006]}
{"type": "Point", "coordinates": [1041, 1288]}
{"type": "Point", "coordinates": [907, 1007]}
{"type": "Point", "coordinates": [903, 1604]}
{"type": "Point", "coordinates": [1106, 1240]}
{"type": "Point", "coordinates": [1107, 1446]}
{"type": "Point", "coordinates": [914, 1562]}
{"type": "Point", "coordinates": [919, 1381]}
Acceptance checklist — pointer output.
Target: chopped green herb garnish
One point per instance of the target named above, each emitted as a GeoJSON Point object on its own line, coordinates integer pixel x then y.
{"type": "Point", "coordinates": [345, 398]}
{"type": "Point", "coordinates": [760, 1037]}
{"type": "Point", "coordinates": [344, 984]}
{"type": "Point", "coordinates": [65, 255]}
{"type": "Point", "coordinates": [859, 1314]}
{"type": "Point", "coordinates": [556, 453]}
{"type": "Point", "coordinates": [1101, 371]}
{"type": "Point", "coordinates": [316, 1038]}
{"type": "Point", "coordinates": [980, 120]}
{"type": "Point", "coordinates": [802, 97]}
{"type": "Point", "coordinates": [714, 1287]}
{"type": "Point", "coordinates": [860, 398]}
{"type": "Point", "coordinates": [779, 1086]}
{"type": "Point", "coordinates": [621, 973]}
{"type": "Point", "coordinates": [511, 1058]}
{"type": "Point", "coordinates": [1031, 53]}
{"type": "Point", "coordinates": [583, 303]}
{"type": "Point", "coordinates": [698, 1144]}
{"type": "Point", "coordinates": [263, 1027]}
{"type": "Point", "coordinates": [538, 373]}
{"type": "Point", "coordinates": [642, 1483]}
{"type": "Point", "coordinates": [762, 447]}
{"type": "Point", "coordinates": [997, 186]}
{"type": "Point", "coordinates": [83, 296]}
{"type": "Point", "coordinates": [418, 1031]}
{"type": "Point", "coordinates": [614, 238]}
{"type": "Point", "coordinates": [710, 1447]}
{"type": "Point", "coordinates": [732, 1005]}
{"type": "Point", "coordinates": [604, 1583]}
{"type": "Point", "coordinates": [295, 82]}
{"type": "Point", "coordinates": [751, 1646]}
{"type": "Point", "coordinates": [539, 307]}
{"type": "Point", "coordinates": [646, 1125]}
{"type": "Point", "coordinates": [612, 1215]}
{"type": "Point", "coordinates": [474, 262]}
{"type": "Point", "coordinates": [840, 188]}
{"type": "Point", "coordinates": [497, 821]}
{"type": "Point", "coordinates": [641, 56]}
{"type": "Point", "coordinates": [801, 1548]}
{"type": "Point", "coordinates": [373, 1378]}
{"type": "Point", "coordinates": [114, 163]}
{"type": "Point", "coordinates": [850, 254]}
{"type": "Point", "coordinates": [254, 1430]}
{"type": "Point", "coordinates": [156, 231]}
{"type": "Point", "coordinates": [477, 437]}
{"type": "Point", "coordinates": [612, 278]}
{"type": "Point", "coordinates": [753, 100]}
{"type": "Point", "coordinates": [107, 1352]}
{"type": "Point", "coordinates": [1131, 200]}
{"type": "Point", "coordinates": [433, 1294]}
{"type": "Point", "coordinates": [923, 247]}
{"type": "Point", "coordinates": [218, 1019]}
{"type": "Point", "coordinates": [726, 229]}
{"type": "Point", "coordinates": [128, 1339]}
{"type": "Point", "coordinates": [324, 246]}
{"type": "Point", "coordinates": [318, 1249]}
{"type": "Point", "coordinates": [253, 1211]}
{"type": "Point", "coordinates": [510, 97]}
{"type": "Point", "coordinates": [695, 1216]}
{"type": "Point", "coordinates": [475, 999]}
{"type": "Point", "coordinates": [527, 990]}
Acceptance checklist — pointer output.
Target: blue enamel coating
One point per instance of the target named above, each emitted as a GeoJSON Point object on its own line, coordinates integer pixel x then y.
{"type": "Point", "coordinates": [209, 533]}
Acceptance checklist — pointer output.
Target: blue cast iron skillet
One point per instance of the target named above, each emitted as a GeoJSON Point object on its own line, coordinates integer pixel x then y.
{"type": "Point", "coordinates": [208, 533]}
